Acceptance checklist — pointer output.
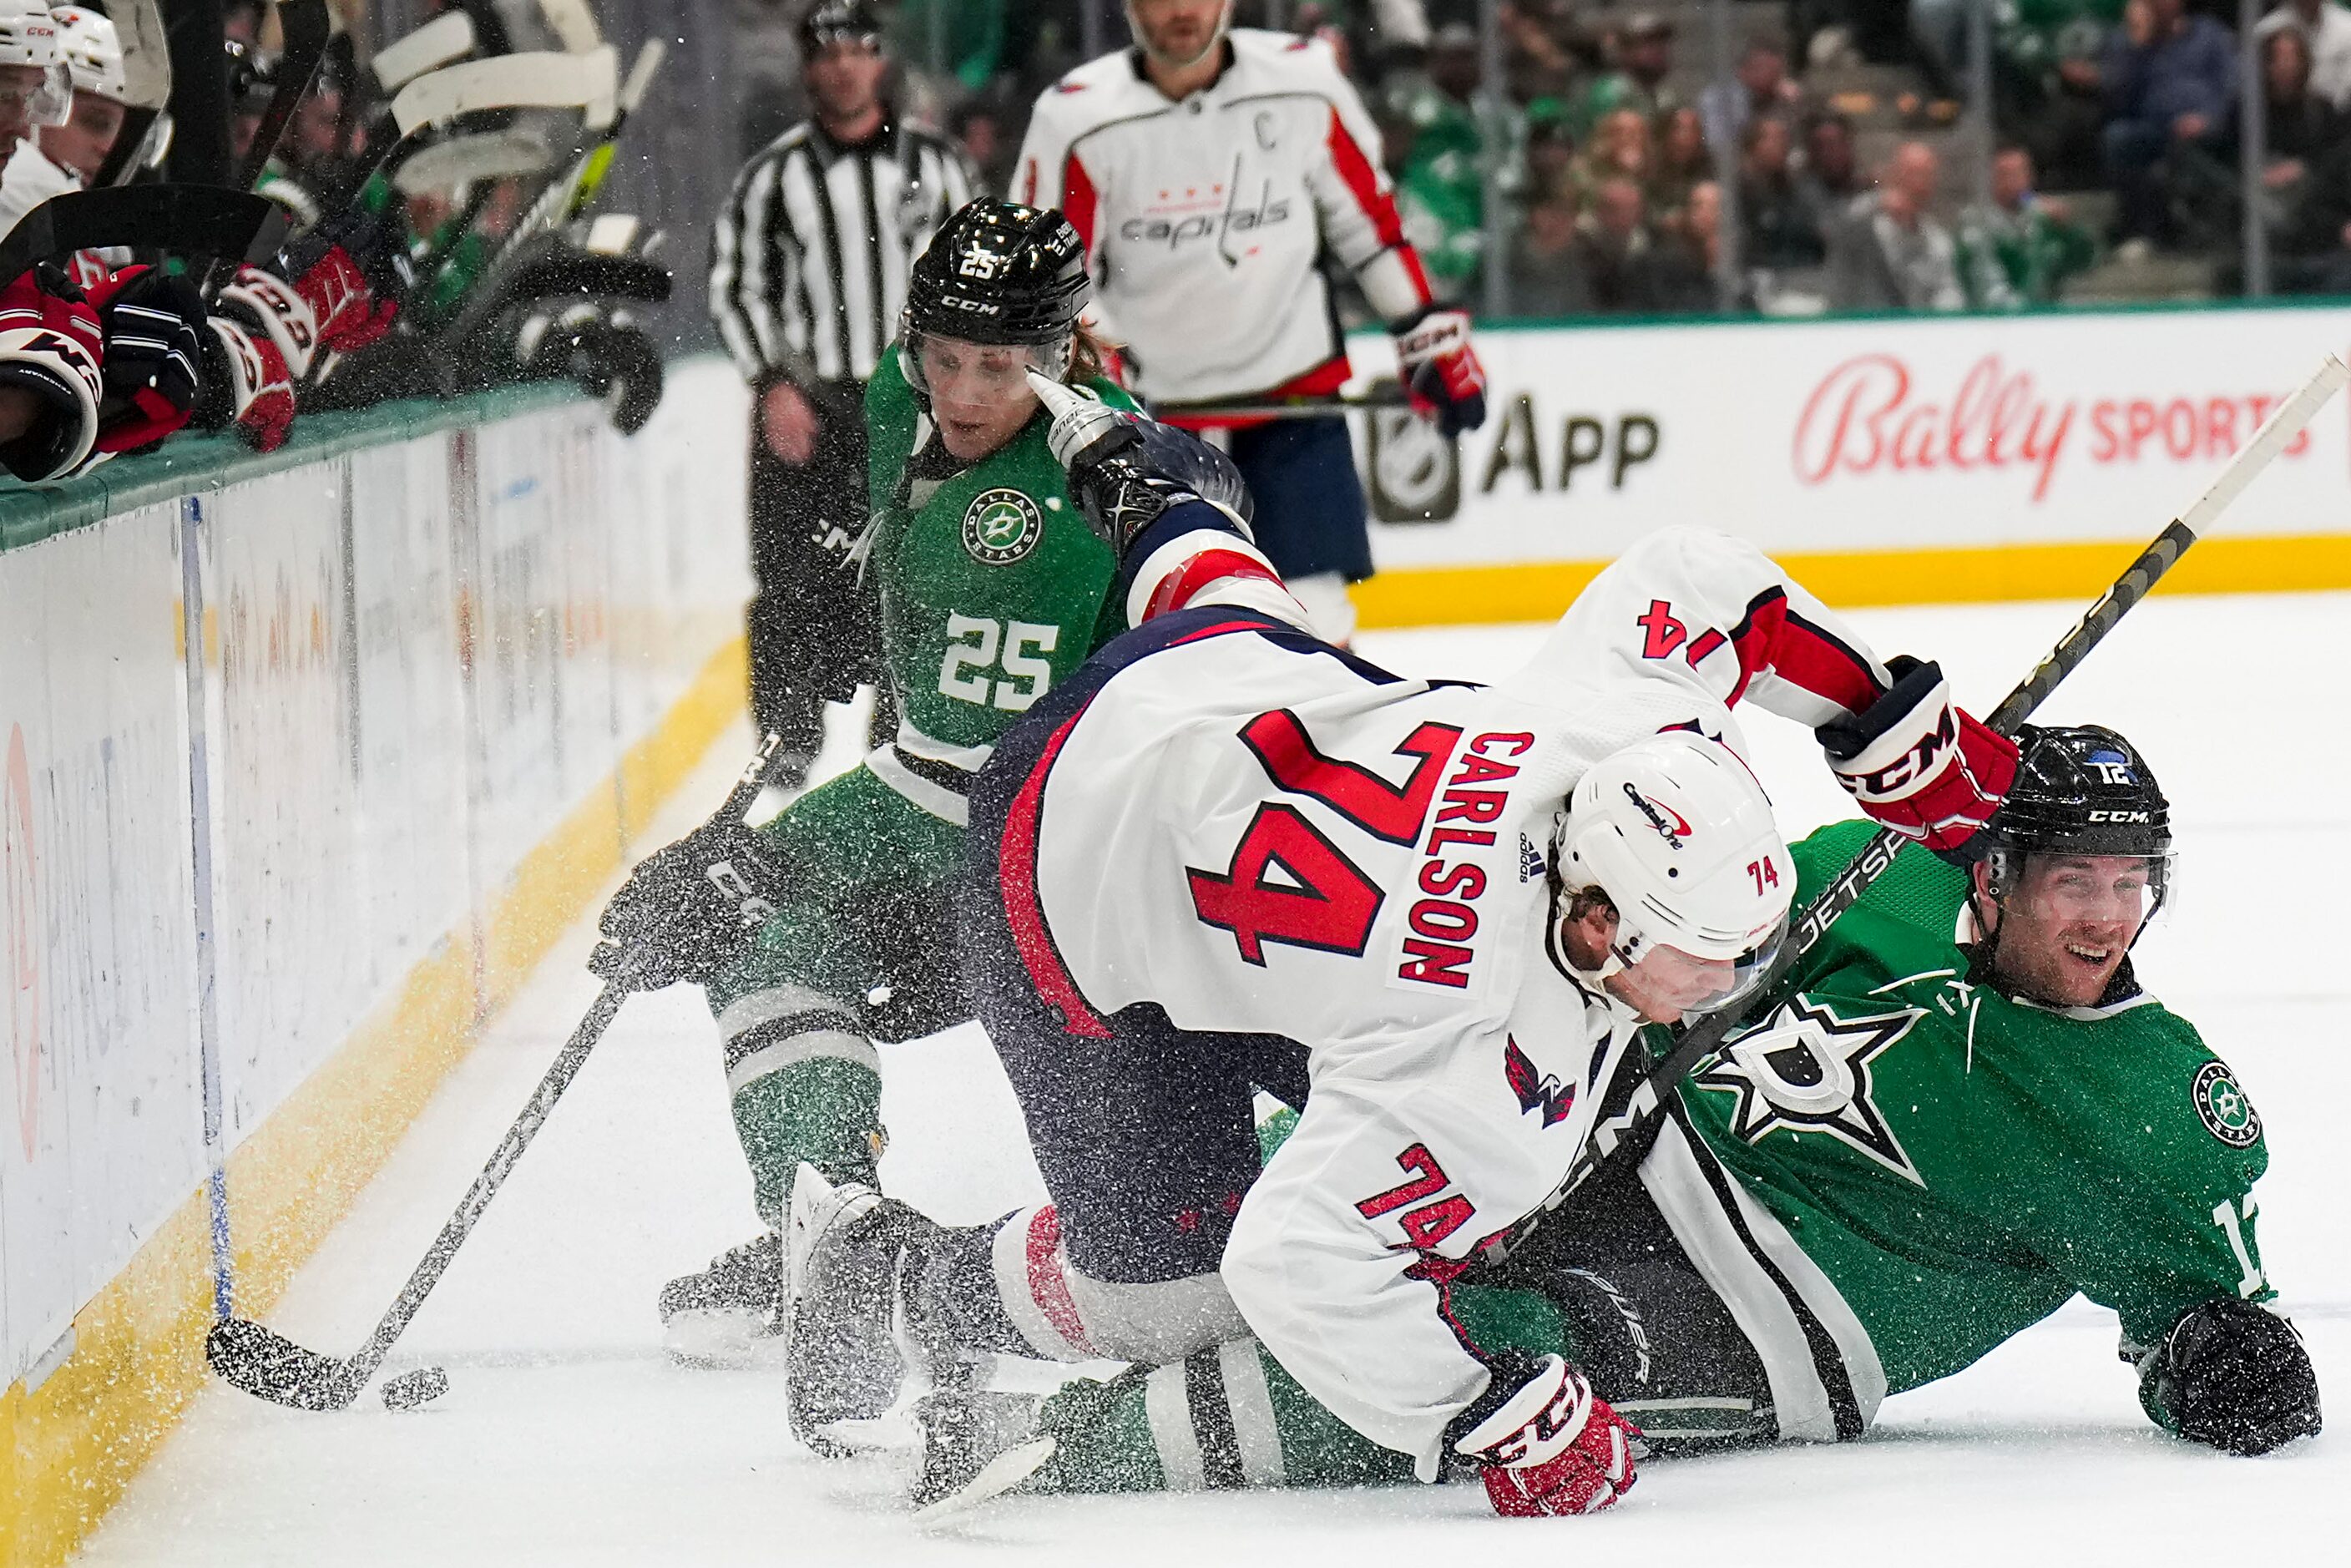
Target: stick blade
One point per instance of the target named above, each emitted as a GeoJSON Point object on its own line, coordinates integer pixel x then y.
{"type": "Point", "coordinates": [270, 1366]}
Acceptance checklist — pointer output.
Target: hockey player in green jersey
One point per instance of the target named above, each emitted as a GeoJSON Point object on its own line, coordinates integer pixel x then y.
{"type": "Point", "coordinates": [991, 587]}
{"type": "Point", "coordinates": [1960, 1111]}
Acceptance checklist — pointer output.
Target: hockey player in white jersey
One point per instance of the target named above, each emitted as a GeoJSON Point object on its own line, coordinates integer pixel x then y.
{"type": "Point", "coordinates": [1227, 857]}
{"type": "Point", "coordinates": [1210, 171]}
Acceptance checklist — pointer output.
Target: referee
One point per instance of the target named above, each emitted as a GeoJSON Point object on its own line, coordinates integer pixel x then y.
{"type": "Point", "coordinates": [808, 274]}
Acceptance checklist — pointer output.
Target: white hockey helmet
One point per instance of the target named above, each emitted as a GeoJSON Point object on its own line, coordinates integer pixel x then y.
{"type": "Point", "coordinates": [1676, 833]}
{"type": "Point", "coordinates": [92, 50]}
{"type": "Point", "coordinates": [28, 37]}
{"type": "Point", "coordinates": [1215, 36]}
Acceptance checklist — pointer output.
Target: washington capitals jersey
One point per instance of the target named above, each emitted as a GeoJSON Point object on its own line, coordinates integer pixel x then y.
{"type": "Point", "coordinates": [1205, 221]}
{"type": "Point", "coordinates": [1260, 834]}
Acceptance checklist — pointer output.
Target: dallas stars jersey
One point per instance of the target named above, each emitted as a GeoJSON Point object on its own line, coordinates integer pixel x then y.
{"type": "Point", "coordinates": [1960, 1163]}
{"type": "Point", "coordinates": [992, 585]}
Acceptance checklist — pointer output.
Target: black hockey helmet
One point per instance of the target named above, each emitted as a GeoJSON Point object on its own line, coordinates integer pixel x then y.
{"type": "Point", "coordinates": [830, 22]}
{"type": "Point", "coordinates": [997, 272]}
{"type": "Point", "coordinates": [2080, 790]}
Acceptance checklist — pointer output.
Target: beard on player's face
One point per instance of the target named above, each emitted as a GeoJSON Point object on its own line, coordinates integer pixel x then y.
{"type": "Point", "coordinates": [1177, 33]}
{"type": "Point", "coordinates": [2061, 933]}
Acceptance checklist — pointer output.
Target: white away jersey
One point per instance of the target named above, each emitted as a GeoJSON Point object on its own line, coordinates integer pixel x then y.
{"type": "Point", "coordinates": [1260, 834]}
{"type": "Point", "coordinates": [1205, 220]}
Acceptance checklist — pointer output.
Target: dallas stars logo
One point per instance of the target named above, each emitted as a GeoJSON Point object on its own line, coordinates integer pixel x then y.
{"type": "Point", "coordinates": [1001, 525]}
{"type": "Point", "coordinates": [1807, 1070]}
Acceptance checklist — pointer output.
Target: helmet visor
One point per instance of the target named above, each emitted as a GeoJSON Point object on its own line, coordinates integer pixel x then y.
{"type": "Point", "coordinates": [977, 375]}
{"type": "Point", "coordinates": [1668, 981]}
{"type": "Point", "coordinates": [38, 95]}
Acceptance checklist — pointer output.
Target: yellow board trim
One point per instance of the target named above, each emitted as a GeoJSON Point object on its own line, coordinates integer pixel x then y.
{"type": "Point", "coordinates": [1542, 591]}
{"type": "Point", "coordinates": [70, 1446]}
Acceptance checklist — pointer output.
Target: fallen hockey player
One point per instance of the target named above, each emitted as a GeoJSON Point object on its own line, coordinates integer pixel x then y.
{"type": "Point", "coordinates": [1201, 862]}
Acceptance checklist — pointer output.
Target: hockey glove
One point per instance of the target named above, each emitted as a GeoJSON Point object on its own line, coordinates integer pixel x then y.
{"type": "Point", "coordinates": [1127, 471]}
{"type": "Point", "coordinates": [609, 355]}
{"type": "Point", "coordinates": [688, 911]}
{"type": "Point", "coordinates": [50, 346]}
{"type": "Point", "coordinates": [1550, 1445]}
{"type": "Point", "coordinates": [1441, 372]}
{"type": "Point", "coordinates": [1917, 764]}
{"type": "Point", "coordinates": [152, 320]}
{"type": "Point", "coordinates": [2232, 1375]}
{"type": "Point", "coordinates": [246, 384]}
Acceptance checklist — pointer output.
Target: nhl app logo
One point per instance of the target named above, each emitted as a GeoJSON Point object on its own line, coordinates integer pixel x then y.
{"type": "Point", "coordinates": [2228, 1114]}
{"type": "Point", "coordinates": [1001, 525]}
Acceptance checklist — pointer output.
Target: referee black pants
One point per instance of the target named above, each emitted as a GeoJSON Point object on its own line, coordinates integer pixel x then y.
{"type": "Point", "coordinates": [814, 630]}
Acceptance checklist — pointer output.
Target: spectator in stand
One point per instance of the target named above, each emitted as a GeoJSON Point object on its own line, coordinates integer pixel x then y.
{"type": "Point", "coordinates": [1612, 250]}
{"type": "Point", "coordinates": [2169, 80]}
{"type": "Point", "coordinates": [1645, 58]}
{"type": "Point", "coordinates": [1687, 255]}
{"type": "Point", "coordinates": [1681, 162]}
{"type": "Point", "coordinates": [1440, 192]}
{"type": "Point", "coordinates": [1540, 41]}
{"type": "Point", "coordinates": [2301, 130]}
{"type": "Point", "coordinates": [1760, 89]}
{"type": "Point", "coordinates": [981, 127]}
{"type": "Point", "coordinates": [1619, 149]}
{"type": "Point", "coordinates": [1889, 253]}
{"type": "Point", "coordinates": [1549, 166]}
{"type": "Point", "coordinates": [1780, 226]}
{"type": "Point", "coordinates": [2018, 248]}
{"type": "Point", "coordinates": [2325, 26]}
{"type": "Point", "coordinates": [1546, 273]}
{"type": "Point", "coordinates": [1830, 178]}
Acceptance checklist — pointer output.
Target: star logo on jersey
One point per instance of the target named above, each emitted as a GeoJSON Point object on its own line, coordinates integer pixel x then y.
{"type": "Point", "coordinates": [1807, 1070]}
{"type": "Point", "coordinates": [1001, 525]}
{"type": "Point", "coordinates": [2228, 1115]}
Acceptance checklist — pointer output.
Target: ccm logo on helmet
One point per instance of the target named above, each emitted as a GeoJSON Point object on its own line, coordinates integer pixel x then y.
{"type": "Point", "coordinates": [2122, 817]}
{"type": "Point", "coordinates": [1666, 820]}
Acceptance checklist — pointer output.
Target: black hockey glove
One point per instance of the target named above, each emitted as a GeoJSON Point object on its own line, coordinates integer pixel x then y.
{"type": "Point", "coordinates": [2234, 1375]}
{"type": "Point", "coordinates": [689, 911]}
{"type": "Point", "coordinates": [1126, 471]}
{"type": "Point", "coordinates": [607, 353]}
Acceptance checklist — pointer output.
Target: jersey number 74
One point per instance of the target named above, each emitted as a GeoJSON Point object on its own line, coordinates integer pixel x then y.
{"type": "Point", "coordinates": [1287, 882]}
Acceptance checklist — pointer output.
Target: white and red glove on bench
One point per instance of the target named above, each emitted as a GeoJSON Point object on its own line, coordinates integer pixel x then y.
{"type": "Point", "coordinates": [1552, 1446]}
{"type": "Point", "coordinates": [1917, 764]}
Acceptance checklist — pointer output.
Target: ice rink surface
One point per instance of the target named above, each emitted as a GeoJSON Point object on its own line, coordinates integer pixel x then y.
{"type": "Point", "coordinates": [568, 1439]}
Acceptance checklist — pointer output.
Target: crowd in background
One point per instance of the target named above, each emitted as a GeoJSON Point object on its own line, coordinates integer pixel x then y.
{"type": "Point", "coordinates": [1626, 162]}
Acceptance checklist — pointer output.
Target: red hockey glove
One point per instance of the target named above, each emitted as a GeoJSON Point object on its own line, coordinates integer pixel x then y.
{"type": "Point", "coordinates": [1917, 764]}
{"type": "Point", "coordinates": [1441, 372]}
{"type": "Point", "coordinates": [50, 345]}
{"type": "Point", "coordinates": [1552, 1446]}
{"type": "Point", "coordinates": [349, 315]}
{"type": "Point", "coordinates": [248, 383]}
{"type": "Point", "coordinates": [150, 320]}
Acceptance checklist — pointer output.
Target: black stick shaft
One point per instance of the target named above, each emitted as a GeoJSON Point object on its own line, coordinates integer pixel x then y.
{"type": "Point", "coordinates": [1812, 924]}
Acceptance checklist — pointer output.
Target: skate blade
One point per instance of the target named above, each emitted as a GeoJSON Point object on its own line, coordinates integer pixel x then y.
{"type": "Point", "coordinates": [996, 1478]}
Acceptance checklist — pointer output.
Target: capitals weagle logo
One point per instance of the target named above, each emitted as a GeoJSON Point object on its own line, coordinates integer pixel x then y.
{"type": "Point", "coordinates": [1807, 1070]}
{"type": "Point", "coordinates": [1001, 525]}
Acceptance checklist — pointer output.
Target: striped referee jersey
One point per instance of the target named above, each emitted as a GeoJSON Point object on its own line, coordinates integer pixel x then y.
{"type": "Point", "coordinates": [808, 265]}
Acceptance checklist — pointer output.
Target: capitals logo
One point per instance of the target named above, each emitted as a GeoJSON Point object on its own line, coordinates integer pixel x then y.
{"type": "Point", "coordinates": [1536, 1090]}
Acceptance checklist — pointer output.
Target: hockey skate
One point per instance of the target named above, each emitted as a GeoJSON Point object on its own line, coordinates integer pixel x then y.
{"type": "Point", "coordinates": [729, 1316]}
{"type": "Point", "coordinates": [977, 1445]}
{"type": "Point", "coordinates": [841, 1360]}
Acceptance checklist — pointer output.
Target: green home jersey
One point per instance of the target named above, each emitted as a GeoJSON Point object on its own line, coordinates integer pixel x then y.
{"type": "Point", "coordinates": [991, 583]}
{"type": "Point", "coordinates": [1960, 1162]}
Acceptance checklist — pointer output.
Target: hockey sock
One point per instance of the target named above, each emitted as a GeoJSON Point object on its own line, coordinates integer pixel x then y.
{"type": "Point", "coordinates": [1224, 1417]}
{"type": "Point", "coordinates": [825, 1110]}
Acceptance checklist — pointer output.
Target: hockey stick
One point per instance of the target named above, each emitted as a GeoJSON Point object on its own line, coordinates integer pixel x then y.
{"type": "Point", "coordinates": [563, 199]}
{"type": "Point", "coordinates": [447, 38]}
{"type": "Point", "coordinates": [1380, 399]}
{"type": "Point", "coordinates": [207, 221]}
{"type": "Point", "coordinates": [268, 1365]}
{"type": "Point", "coordinates": [464, 160]}
{"type": "Point", "coordinates": [307, 29]}
{"type": "Point", "coordinates": [147, 82]}
{"type": "Point", "coordinates": [1630, 1129]}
